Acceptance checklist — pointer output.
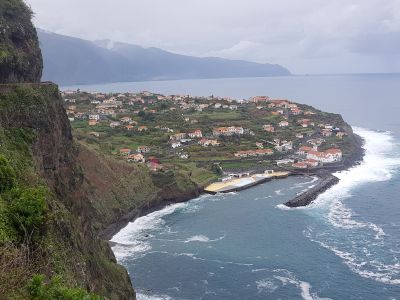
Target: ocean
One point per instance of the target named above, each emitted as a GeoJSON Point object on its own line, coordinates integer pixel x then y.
{"type": "Point", "coordinates": [247, 245]}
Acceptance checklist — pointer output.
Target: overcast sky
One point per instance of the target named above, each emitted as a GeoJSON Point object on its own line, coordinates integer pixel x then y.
{"type": "Point", "coordinates": [307, 36]}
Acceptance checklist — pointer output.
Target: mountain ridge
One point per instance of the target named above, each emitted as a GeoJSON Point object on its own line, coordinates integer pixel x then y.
{"type": "Point", "coordinates": [69, 60]}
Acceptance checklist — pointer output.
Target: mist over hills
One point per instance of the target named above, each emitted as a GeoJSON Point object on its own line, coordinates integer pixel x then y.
{"type": "Point", "coordinates": [69, 60]}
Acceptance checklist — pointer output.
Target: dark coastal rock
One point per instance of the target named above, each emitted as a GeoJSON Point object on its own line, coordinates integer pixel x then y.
{"type": "Point", "coordinates": [326, 181]}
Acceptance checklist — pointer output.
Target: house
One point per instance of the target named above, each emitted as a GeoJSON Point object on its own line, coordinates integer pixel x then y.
{"type": "Point", "coordinates": [296, 111]}
{"type": "Point", "coordinates": [258, 99]}
{"type": "Point", "coordinates": [285, 161]}
{"type": "Point", "coordinates": [94, 117]}
{"type": "Point", "coordinates": [300, 165]}
{"type": "Point", "coordinates": [176, 144]}
{"type": "Point", "coordinates": [126, 120]}
{"type": "Point", "coordinates": [304, 150]}
{"type": "Point", "coordinates": [341, 134]}
{"type": "Point", "coordinates": [228, 131]}
{"type": "Point", "coordinates": [208, 142]}
{"type": "Point", "coordinates": [311, 162]}
{"type": "Point", "coordinates": [142, 128]}
{"type": "Point", "coordinates": [195, 134]}
{"type": "Point", "coordinates": [283, 123]}
{"type": "Point", "coordinates": [282, 146]}
{"type": "Point", "coordinates": [305, 123]}
{"type": "Point", "coordinates": [259, 145]}
{"type": "Point", "coordinates": [125, 151]}
{"type": "Point", "coordinates": [114, 124]}
{"type": "Point", "coordinates": [177, 136]}
{"type": "Point", "coordinates": [299, 135]}
{"type": "Point", "coordinates": [143, 149]}
{"type": "Point", "coordinates": [129, 127]}
{"type": "Point", "coordinates": [136, 158]}
{"type": "Point", "coordinates": [184, 156]}
{"type": "Point", "coordinates": [92, 122]}
{"type": "Point", "coordinates": [258, 152]}
{"type": "Point", "coordinates": [326, 132]}
{"type": "Point", "coordinates": [308, 163]}
{"type": "Point", "coordinates": [269, 128]}
{"type": "Point", "coordinates": [328, 156]}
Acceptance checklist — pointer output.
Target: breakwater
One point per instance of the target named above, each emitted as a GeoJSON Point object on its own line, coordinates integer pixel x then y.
{"type": "Point", "coordinates": [304, 199]}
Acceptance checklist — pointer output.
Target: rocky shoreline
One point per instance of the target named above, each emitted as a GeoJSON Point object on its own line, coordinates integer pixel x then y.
{"type": "Point", "coordinates": [304, 199]}
{"type": "Point", "coordinates": [327, 180]}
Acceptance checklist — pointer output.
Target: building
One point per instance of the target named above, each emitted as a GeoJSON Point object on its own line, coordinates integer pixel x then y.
{"type": "Point", "coordinates": [94, 117]}
{"type": "Point", "coordinates": [114, 124]}
{"type": "Point", "coordinates": [269, 128]}
{"type": "Point", "coordinates": [176, 144]}
{"type": "Point", "coordinates": [195, 134]}
{"type": "Point", "coordinates": [126, 120]}
{"type": "Point", "coordinates": [136, 158]}
{"type": "Point", "coordinates": [328, 156]}
{"type": "Point", "coordinates": [208, 142]}
{"type": "Point", "coordinates": [250, 153]}
{"type": "Point", "coordinates": [228, 131]}
{"type": "Point", "coordinates": [92, 122]}
{"type": "Point", "coordinates": [142, 128]}
{"type": "Point", "coordinates": [177, 136]}
{"type": "Point", "coordinates": [143, 149]}
{"type": "Point", "coordinates": [259, 99]}
{"type": "Point", "coordinates": [125, 151]}
{"type": "Point", "coordinates": [283, 124]}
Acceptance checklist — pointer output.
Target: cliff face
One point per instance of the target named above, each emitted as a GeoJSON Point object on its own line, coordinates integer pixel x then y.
{"type": "Point", "coordinates": [20, 55]}
{"type": "Point", "coordinates": [68, 244]}
{"type": "Point", "coordinates": [56, 196]}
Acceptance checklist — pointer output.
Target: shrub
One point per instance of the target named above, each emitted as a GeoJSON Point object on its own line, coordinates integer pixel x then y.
{"type": "Point", "coordinates": [7, 175]}
{"type": "Point", "coordinates": [54, 290]}
{"type": "Point", "coordinates": [27, 209]}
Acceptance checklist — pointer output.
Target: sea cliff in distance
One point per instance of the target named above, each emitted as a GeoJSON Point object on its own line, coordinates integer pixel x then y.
{"type": "Point", "coordinates": [69, 60]}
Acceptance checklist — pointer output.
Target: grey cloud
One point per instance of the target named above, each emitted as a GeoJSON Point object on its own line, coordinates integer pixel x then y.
{"type": "Point", "coordinates": [306, 36]}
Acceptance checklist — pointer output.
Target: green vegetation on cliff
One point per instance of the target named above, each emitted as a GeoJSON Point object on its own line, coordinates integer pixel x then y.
{"type": "Point", "coordinates": [44, 227]}
{"type": "Point", "coordinates": [20, 56]}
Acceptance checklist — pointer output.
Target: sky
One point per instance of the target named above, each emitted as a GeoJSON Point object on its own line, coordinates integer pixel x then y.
{"type": "Point", "coordinates": [307, 36]}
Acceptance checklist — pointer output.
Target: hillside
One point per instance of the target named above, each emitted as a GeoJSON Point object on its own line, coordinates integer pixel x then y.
{"type": "Point", "coordinates": [58, 197]}
{"type": "Point", "coordinates": [69, 60]}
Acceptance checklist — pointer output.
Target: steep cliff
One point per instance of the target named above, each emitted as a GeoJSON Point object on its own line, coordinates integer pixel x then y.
{"type": "Point", "coordinates": [36, 142]}
{"type": "Point", "coordinates": [58, 197]}
{"type": "Point", "coordinates": [20, 56]}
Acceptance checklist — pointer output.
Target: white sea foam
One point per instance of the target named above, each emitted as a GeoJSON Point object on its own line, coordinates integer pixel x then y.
{"type": "Point", "coordinates": [364, 249]}
{"type": "Point", "coordinates": [266, 285]}
{"type": "Point", "coordinates": [142, 296]}
{"type": "Point", "coordinates": [132, 239]}
{"type": "Point", "coordinates": [286, 277]}
{"type": "Point", "coordinates": [301, 184]}
{"type": "Point", "coordinates": [203, 239]}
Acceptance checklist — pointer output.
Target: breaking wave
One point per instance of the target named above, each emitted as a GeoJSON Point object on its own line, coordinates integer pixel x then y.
{"type": "Point", "coordinates": [132, 240]}
{"type": "Point", "coordinates": [360, 244]}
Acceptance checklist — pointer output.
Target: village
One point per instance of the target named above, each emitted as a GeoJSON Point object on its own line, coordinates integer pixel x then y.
{"type": "Point", "coordinates": [217, 134]}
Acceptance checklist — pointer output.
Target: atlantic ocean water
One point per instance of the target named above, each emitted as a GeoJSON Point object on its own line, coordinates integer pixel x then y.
{"type": "Point", "coordinates": [247, 245]}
